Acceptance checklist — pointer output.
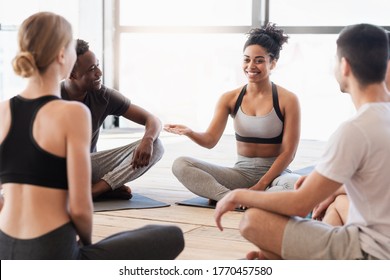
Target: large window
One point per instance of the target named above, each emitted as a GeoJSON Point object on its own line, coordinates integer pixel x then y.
{"type": "Point", "coordinates": [10, 84]}
{"type": "Point", "coordinates": [10, 19]}
{"type": "Point", "coordinates": [178, 57]}
{"type": "Point", "coordinates": [306, 65]}
{"type": "Point", "coordinates": [329, 12]}
{"type": "Point", "coordinates": [185, 13]}
{"type": "Point", "coordinates": [179, 77]}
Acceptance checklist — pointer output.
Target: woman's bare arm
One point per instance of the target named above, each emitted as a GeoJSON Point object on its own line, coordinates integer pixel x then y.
{"type": "Point", "coordinates": [79, 170]}
{"type": "Point", "coordinates": [211, 136]}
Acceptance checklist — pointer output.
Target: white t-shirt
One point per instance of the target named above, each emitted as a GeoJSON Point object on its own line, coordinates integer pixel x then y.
{"type": "Point", "coordinates": [358, 155]}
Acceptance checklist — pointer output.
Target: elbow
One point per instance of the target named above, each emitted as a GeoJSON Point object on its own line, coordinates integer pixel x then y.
{"type": "Point", "coordinates": [303, 213]}
{"type": "Point", "coordinates": [304, 210]}
{"type": "Point", "coordinates": [289, 156]}
{"type": "Point", "coordinates": [80, 213]}
{"type": "Point", "coordinates": [153, 122]}
{"type": "Point", "coordinates": [207, 141]}
{"type": "Point", "coordinates": [300, 208]}
{"type": "Point", "coordinates": [157, 123]}
{"type": "Point", "coordinates": [210, 145]}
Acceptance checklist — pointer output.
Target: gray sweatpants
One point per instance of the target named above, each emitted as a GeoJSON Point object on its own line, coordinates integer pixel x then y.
{"type": "Point", "coordinates": [214, 181]}
{"type": "Point", "coordinates": [113, 166]}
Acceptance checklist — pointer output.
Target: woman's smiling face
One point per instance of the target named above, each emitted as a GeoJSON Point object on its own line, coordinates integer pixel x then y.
{"type": "Point", "coordinates": [257, 63]}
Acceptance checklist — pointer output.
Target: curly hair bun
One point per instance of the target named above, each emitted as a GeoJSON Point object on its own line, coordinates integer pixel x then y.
{"type": "Point", "coordinates": [269, 37]}
{"type": "Point", "coordinates": [272, 31]}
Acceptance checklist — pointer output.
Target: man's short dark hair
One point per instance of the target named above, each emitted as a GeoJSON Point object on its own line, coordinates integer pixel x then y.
{"type": "Point", "coordinates": [81, 47]}
{"type": "Point", "coordinates": [365, 47]}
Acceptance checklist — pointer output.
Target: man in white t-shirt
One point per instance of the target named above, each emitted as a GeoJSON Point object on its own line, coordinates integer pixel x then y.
{"type": "Point", "coordinates": [357, 155]}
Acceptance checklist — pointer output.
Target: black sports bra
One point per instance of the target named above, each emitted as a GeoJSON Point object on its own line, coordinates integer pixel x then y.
{"type": "Point", "coordinates": [21, 159]}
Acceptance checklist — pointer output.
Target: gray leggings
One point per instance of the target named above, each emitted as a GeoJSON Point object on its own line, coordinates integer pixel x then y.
{"type": "Point", "coordinates": [214, 181]}
{"type": "Point", "coordinates": [113, 166]}
{"type": "Point", "coordinates": [152, 242]}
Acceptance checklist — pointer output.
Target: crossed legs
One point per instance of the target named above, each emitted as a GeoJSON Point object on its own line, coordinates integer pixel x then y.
{"type": "Point", "coordinates": [111, 169]}
{"type": "Point", "coordinates": [279, 236]}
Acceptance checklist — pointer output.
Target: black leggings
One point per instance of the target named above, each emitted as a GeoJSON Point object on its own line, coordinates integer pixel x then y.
{"type": "Point", "coordinates": [152, 242]}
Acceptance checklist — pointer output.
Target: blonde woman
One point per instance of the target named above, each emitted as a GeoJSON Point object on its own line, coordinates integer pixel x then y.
{"type": "Point", "coordinates": [45, 166]}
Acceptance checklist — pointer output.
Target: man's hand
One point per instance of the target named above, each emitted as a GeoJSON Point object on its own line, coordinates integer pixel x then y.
{"type": "Point", "coordinates": [142, 154]}
{"type": "Point", "coordinates": [319, 210]}
{"type": "Point", "coordinates": [226, 204]}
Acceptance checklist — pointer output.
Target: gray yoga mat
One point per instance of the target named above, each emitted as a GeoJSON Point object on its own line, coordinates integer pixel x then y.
{"type": "Point", "coordinates": [204, 202]}
{"type": "Point", "coordinates": [199, 202]}
{"type": "Point", "coordinates": [136, 202]}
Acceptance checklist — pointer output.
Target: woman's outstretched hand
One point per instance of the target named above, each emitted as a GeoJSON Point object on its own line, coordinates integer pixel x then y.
{"type": "Point", "coordinates": [177, 129]}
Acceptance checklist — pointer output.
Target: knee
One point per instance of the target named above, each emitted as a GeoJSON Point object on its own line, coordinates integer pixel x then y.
{"type": "Point", "coordinates": [180, 165]}
{"type": "Point", "coordinates": [288, 181]}
{"type": "Point", "coordinates": [177, 240]}
{"type": "Point", "coordinates": [158, 148]}
{"type": "Point", "coordinates": [249, 225]}
{"type": "Point", "coordinates": [331, 209]}
{"type": "Point", "coordinates": [341, 201]}
{"type": "Point", "coordinates": [173, 237]}
{"type": "Point", "coordinates": [341, 205]}
{"type": "Point", "coordinates": [178, 236]}
{"type": "Point", "coordinates": [165, 241]}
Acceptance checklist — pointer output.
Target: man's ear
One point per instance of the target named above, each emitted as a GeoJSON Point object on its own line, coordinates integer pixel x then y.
{"type": "Point", "coordinates": [345, 67]}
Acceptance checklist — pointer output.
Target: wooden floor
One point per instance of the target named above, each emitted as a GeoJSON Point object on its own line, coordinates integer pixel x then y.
{"type": "Point", "coordinates": [203, 241]}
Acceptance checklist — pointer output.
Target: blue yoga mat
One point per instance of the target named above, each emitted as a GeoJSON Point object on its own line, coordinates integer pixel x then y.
{"type": "Point", "coordinates": [200, 202]}
{"type": "Point", "coordinates": [136, 202]}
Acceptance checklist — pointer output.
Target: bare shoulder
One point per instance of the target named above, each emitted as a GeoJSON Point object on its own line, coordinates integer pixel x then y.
{"type": "Point", "coordinates": [232, 93]}
{"type": "Point", "coordinates": [73, 107]}
{"type": "Point", "coordinates": [4, 109]}
{"type": "Point", "coordinates": [286, 96]}
{"type": "Point", "coordinates": [71, 111]}
{"type": "Point", "coordinates": [229, 98]}
{"type": "Point", "coordinates": [4, 104]}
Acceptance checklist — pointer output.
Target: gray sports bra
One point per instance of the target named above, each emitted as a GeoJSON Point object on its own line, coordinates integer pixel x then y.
{"type": "Point", "coordinates": [266, 129]}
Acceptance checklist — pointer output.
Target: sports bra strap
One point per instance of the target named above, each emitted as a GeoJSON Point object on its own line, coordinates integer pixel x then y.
{"type": "Point", "coordinates": [275, 100]}
{"type": "Point", "coordinates": [239, 100]}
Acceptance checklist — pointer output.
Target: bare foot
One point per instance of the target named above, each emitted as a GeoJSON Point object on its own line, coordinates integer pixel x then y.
{"type": "Point", "coordinates": [255, 255]}
{"type": "Point", "coordinates": [123, 193]}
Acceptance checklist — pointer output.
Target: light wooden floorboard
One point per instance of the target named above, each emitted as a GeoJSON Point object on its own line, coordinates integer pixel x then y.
{"type": "Point", "coordinates": [203, 241]}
